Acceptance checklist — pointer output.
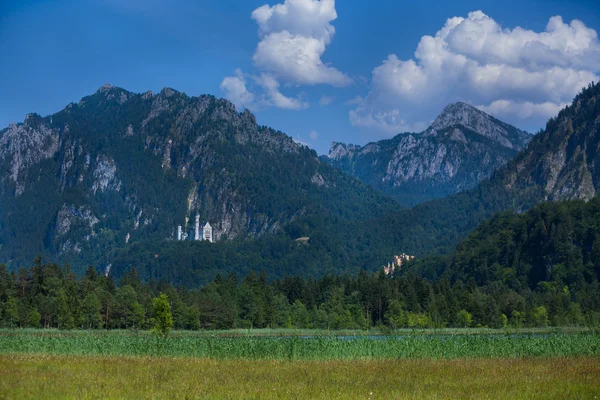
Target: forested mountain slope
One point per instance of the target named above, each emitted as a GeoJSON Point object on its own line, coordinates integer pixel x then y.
{"type": "Point", "coordinates": [554, 243]}
{"type": "Point", "coordinates": [120, 167]}
{"type": "Point", "coordinates": [346, 227]}
{"type": "Point", "coordinates": [560, 163]}
{"type": "Point", "coordinates": [436, 226]}
{"type": "Point", "coordinates": [461, 147]}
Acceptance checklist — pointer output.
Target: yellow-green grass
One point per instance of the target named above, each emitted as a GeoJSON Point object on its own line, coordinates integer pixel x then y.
{"type": "Point", "coordinates": [80, 377]}
{"type": "Point", "coordinates": [322, 348]}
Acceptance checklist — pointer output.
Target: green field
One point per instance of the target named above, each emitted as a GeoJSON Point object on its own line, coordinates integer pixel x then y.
{"type": "Point", "coordinates": [81, 377]}
{"type": "Point", "coordinates": [277, 364]}
{"type": "Point", "coordinates": [286, 347]}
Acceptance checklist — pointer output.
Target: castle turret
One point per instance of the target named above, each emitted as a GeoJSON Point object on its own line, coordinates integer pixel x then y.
{"type": "Point", "coordinates": [197, 228]}
{"type": "Point", "coordinates": [207, 233]}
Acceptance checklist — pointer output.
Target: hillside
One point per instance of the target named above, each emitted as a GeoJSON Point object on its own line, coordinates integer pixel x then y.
{"type": "Point", "coordinates": [120, 167]}
{"type": "Point", "coordinates": [556, 242]}
{"type": "Point", "coordinates": [460, 148]}
{"type": "Point", "coordinates": [349, 227]}
{"type": "Point", "coordinates": [560, 163]}
{"type": "Point", "coordinates": [434, 227]}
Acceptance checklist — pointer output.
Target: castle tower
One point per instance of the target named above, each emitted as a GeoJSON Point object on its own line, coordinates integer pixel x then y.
{"type": "Point", "coordinates": [179, 233]}
{"type": "Point", "coordinates": [207, 233]}
{"type": "Point", "coordinates": [197, 228]}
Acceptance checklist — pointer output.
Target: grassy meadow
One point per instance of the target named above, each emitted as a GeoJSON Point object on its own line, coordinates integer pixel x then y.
{"type": "Point", "coordinates": [319, 347]}
{"type": "Point", "coordinates": [82, 377]}
{"type": "Point", "coordinates": [279, 364]}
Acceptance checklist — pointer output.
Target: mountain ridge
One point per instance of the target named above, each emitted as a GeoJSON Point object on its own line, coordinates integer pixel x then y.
{"type": "Point", "coordinates": [462, 146]}
{"type": "Point", "coordinates": [534, 176]}
{"type": "Point", "coordinates": [119, 166]}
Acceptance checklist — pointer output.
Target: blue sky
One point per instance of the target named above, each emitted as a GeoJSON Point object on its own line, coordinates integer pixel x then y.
{"type": "Point", "coordinates": [320, 71]}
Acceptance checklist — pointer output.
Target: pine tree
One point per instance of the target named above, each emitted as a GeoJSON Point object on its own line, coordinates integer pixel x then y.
{"type": "Point", "coordinates": [163, 320]}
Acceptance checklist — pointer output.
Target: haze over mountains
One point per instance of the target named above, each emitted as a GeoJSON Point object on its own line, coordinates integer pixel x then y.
{"type": "Point", "coordinates": [107, 180]}
{"type": "Point", "coordinates": [460, 148]}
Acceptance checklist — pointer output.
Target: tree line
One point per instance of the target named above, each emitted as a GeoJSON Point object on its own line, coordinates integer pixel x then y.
{"type": "Point", "coordinates": [50, 296]}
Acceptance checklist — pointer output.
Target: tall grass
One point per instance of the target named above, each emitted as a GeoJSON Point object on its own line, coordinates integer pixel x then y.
{"type": "Point", "coordinates": [113, 343]}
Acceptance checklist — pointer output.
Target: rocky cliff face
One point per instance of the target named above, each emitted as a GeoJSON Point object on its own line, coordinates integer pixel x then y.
{"type": "Point", "coordinates": [119, 167]}
{"type": "Point", "coordinates": [563, 163]}
{"type": "Point", "coordinates": [468, 117]}
{"type": "Point", "coordinates": [560, 163]}
{"type": "Point", "coordinates": [461, 147]}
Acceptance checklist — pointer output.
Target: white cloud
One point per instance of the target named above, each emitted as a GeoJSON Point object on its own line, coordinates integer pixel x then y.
{"type": "Point", "coordinates": [520, 75]}
{"type": "Point", "coordinates": [235, 89]}
{"type": "Point", "coordinates": [326, 100]}
{"type": "Point", "coordinates": [523, 109]}
{"type": "Point", "coordinates": [308, 18]}
{"type": "Point", "coordinates": [274, 97]}
{"type": "Point", "coordinates": [296, 59]}
{"type": "Point", "coordinates": [313, 135]}
{"type": "Point", "coordinates": [293, 38]}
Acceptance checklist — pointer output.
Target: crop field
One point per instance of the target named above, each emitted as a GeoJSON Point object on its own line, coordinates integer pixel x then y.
{"type": "Point", "coordinates": [125, 364]}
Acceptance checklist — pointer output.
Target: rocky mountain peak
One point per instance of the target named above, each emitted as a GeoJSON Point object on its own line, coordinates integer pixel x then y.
{"type": "Point", "coordinates": [111, 92]}
{"type": "Point", "coordinates": [477, 121]}
{"type": "Point", "coordinates": [340, 150]}
{"type": "Point", "coordinates": [105, 88]}
{"type": "Point", "coordinates": [461, 147]}
{"type": "Point", "coordinates": [168, 92]}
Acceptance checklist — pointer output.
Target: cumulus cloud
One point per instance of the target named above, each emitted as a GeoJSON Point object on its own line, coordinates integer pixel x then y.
{"type": "Point", "coordinates": [274, 97]}
{"type": "Point", "coordinates": [293, 37]}
{"type": "Point", "coordinates": [235, 89]}
{"type": "Point", "coordinates": [520, 75]}
{"type": "Point", "coordinates": [521, 109]}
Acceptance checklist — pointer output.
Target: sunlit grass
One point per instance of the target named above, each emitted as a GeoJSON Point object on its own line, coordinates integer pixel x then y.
{"type": "Point", "coordinates": [43, 376]}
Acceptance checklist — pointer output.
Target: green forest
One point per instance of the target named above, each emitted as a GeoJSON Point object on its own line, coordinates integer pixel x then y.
{"type": "Point", "coordinates": [536, 269]}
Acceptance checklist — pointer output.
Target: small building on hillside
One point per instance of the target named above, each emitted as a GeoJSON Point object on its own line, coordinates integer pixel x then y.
{"type": "Point", "coordinates": [397, 263]}
{"type": "Point", "coordinates": [207, 232]}
{"type": "Point", "coordinates": [195, 233]}
{"type": "Point", "coordinates": [197, 228]}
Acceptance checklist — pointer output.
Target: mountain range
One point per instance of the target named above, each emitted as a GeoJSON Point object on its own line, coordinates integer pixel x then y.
{"type": "Point", "coordinates": [107, 180]}
{"type": "Point", "coordinates": [460, 148]}
{"type": "Point", "coordinates": [559, 163]}
{"type": "Point", "coordinates": [119, 167]}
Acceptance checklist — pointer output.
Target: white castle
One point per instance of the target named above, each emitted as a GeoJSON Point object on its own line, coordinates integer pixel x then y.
{"type": "Point", "coordinates": [205, 234]}
{"type": "Point", "coordinates": [397, 263]}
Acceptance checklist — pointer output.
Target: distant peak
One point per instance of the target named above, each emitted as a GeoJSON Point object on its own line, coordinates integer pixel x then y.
{"type": "Point", "coordinates": [168, 92]}
{"type": "Point", "coordinates": [473, 119]}
{"type": "Point", "coordinates": [111, 92]}
{"type": "Point", "coordinates": [104, 88]}
{"type": "Point", "coordinates": [458, 106]}
{"type": "Point", "coordinates": [458, 113]}
{"type": "Point", "coordinates": [339, 150]}
{"type": "Point", "coordinates": [108, 88]}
